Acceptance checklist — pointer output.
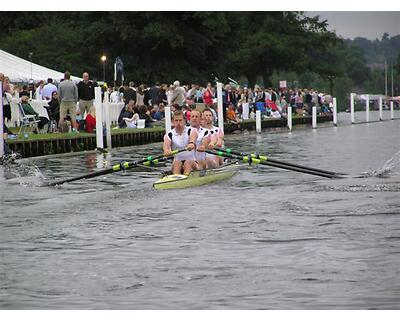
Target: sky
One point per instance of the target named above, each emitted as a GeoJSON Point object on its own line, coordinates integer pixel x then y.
{"type": "Point", "coordinates": [366, 24]}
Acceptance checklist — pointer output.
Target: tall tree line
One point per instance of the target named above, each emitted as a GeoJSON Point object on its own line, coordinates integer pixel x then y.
{"type": "Point", "coordinates": [189, 46]}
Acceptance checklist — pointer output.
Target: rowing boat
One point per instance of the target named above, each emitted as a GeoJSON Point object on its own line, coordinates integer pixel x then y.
{"type": "Point", "coordinates": [196, 178]}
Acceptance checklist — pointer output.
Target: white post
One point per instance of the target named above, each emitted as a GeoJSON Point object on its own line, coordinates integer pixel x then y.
{"type": "Point", "coordinates": [335, 112]}
{"type": "Point", "coordinates": [367, 109]}
{"type": "Point", "coordinates": [168, 126]}
{"type": "Point", "coordinates": [115, 73]}
{"type": "Point", "coordinates": [1, 121]}
{"type": "Point", "coordinates": [258, 121]}
{"type": "Point", "coordinates": [289, 118]}
{"type": "Point", "coordinates": [99, 118]}
{"type": "Point", "coordinates": [108, 120]}
{"type": "Point", "coordinates": [30, 95]}
{"type": "Point", "coordinates": [391, 110]}
{"type": "Point", "coordinates": [314, 117]}
{"type": "Point", "coordinates": [220, 106]}
{"type": "Point", "coordinates": [380, 109]}
{"type": "Point", "coordinates": [352, 107]}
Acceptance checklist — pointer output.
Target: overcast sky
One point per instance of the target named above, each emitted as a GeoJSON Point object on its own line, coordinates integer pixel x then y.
{"type": "Point", "coordinates": [367, 24]}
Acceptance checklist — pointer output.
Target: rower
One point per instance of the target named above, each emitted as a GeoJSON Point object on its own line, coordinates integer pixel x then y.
{"type": "Point", "coordinates": [216, 138]}
{"type": "Point", "coordinates": [202, 138]}
{"type": "Point", "coordinates": [178, 138]}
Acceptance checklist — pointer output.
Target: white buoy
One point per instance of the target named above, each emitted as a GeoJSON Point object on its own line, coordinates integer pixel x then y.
{"type": "Point", "coordinates": [258, 121]}
{"type": "Point", "coordinates": [1, 121]}
{"type": "Point", "coordinates": [108, 120]}
{"type": "Point", "coordinates": [289, 118]}
{"type": "Point", "coordinates": [220, 106]}
{"type": "Point", "coordinates": [391, 110]}
{"type": "Point", "coordinates": [367, 109]}
{"type": "Point", "coordinates": [314, 117]}
{"type": "Point", "coordinates": [352, 107]}
{"type": "Point", "coordinates": [335, 112]}
{"type": "Point", "coordinates": [168, 125]}
{"type": "Point", "coordinates": [99, 118]}
{"type": "Point", "coordinates": [380, 109]}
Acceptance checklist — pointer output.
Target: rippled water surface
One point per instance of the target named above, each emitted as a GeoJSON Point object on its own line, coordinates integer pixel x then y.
{"type": "Point", "coordinates": [266, 239]}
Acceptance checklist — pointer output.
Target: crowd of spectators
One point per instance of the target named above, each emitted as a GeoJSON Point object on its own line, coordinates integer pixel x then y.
{"type": "Point", "coordinates": [142, 102]}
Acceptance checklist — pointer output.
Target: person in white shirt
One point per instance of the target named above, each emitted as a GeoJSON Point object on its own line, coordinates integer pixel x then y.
{"type": "Point", "coordinates": [178, 138]}
{"type": "Point", "coordinates": [48, 89]}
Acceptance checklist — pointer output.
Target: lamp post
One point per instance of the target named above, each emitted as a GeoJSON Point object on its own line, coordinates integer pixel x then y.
{"type": "Point", "coordinates": [104, 59]}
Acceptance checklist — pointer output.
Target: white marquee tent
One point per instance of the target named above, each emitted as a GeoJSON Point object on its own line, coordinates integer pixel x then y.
{"type": "Point", "coordinates": [19, 70]}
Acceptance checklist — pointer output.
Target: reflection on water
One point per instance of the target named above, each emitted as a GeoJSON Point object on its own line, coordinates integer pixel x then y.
{"type": "Point", "coordinates": [265, 239]}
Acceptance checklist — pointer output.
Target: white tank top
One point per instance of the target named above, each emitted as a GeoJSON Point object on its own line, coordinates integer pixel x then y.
{"type": "Point", "coordinates": [202, 133]}
{"type": "Point", "coordinates": [180, 141]}
{"type": "Point", "coordinates": [214, 131]}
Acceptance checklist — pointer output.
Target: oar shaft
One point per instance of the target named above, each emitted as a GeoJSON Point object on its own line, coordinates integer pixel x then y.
{"type": "Point", "coordinates": [250, 160]}
{"type": "Point", "coordinates": [265, 158]}
{"type": "Point", "coordinates": [149, 161]}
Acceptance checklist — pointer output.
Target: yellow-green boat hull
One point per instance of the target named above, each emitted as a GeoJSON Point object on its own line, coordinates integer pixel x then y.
{"type": "Point", "coordinates": [194, 179]}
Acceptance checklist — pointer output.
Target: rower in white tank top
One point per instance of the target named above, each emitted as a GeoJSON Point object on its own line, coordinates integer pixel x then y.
{"type": "Point", "coordinates": [180, 141]}
{"type": "Point", "coordinates": [180, 138]}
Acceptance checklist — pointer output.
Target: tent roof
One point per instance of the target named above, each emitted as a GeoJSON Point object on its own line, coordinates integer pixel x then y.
{"type": "Point", "coordinates": [19, 70]}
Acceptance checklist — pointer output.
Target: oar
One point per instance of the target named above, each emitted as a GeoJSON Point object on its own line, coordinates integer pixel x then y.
{"type": "Point", "coordinates": [265, 158]}
{"type": "Point", "coordinates": [149, 161]}
{"type": "Point", "coordinates": [251, 160]}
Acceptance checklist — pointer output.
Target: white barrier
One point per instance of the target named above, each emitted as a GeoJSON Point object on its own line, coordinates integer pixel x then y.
{"type": "Point", "coordinates": [106, 108]}
{"type": "Point", "coordinates": [391, 110]}
{"type": "Point", "coordinates": [352, 107]}
{"type": "Point", "coordinates": [258, 121]}
{"type": "Point", "coordinates": [367, 109]}
{"type": "Point", "coordinates": [220, 106]}
{"type": "Point", "coordinates": [314, 117]}
{"type": "Point", "coordinates": [380, 109]}
{"type": "Point", "coordinates": [168, 124]}
{"type": "Point", "coordinates": [99, 118]}
{"type": "Point", "coordinates": [289, 118]}
{"type": "Point", "coordinates": [335, 112]}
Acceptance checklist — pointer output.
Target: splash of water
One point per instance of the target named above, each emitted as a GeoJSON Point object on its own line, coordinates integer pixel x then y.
{"type": "Point", "coordinates": [390, 166]}
{"type": "Point", "coordinates": [24, 174]}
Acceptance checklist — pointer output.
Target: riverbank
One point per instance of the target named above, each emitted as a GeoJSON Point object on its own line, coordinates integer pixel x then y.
{"type": "Point", "coordinates": [55, 143]}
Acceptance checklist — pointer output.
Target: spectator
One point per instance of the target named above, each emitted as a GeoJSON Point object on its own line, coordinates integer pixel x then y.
{"type": "Point", "coordinates": [24, 92]}
{"type": "Point", "coordinates": [53, 109]}
{"type": "Point", "coordinates": [126, 112]}
{"type": "Point", "coordinates": [115, 96]}
{"type": "Point", "coordinates": [68, 96]}
{"type": "Point", "coordinates": [30, 111]}
{"type": "Point", "coordinates": [160, 113]}
{"type": "Point", "coordinates": [48, 89]}
{"type": "Point", "coordinates": [129, 93]}
{"type": "Point", "coordinates": [90, 120]}
{"type": "Point", "coordinates": [39, 91]}
{"type": "Point", "coordinates": [144, 113]}
{"type": "Point", "coordinates": [140, 96]}
{"type": "Point", "coordinates": [6, 98]}
{"type": "Point", "coordinates": [208, 95]}
{"type": "Point", "coordinates": [154, 94]}
{"type": "Point", "coordinates": [177, 94]}
{"type": "Point", "coordinates": [85, 94]}
{"type": "Point", "coordinates": [132, 121]}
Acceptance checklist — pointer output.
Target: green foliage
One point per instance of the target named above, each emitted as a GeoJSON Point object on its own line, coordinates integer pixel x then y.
{"type": "Point", "coordinates": [195, 46]}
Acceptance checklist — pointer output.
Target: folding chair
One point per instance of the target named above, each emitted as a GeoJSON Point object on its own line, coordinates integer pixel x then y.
{"type": "Point", "coordinates": [27, 120]}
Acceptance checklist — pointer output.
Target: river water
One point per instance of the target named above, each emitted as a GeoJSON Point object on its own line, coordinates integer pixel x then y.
{"type": "Point", "coordinates": [265, 239]}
